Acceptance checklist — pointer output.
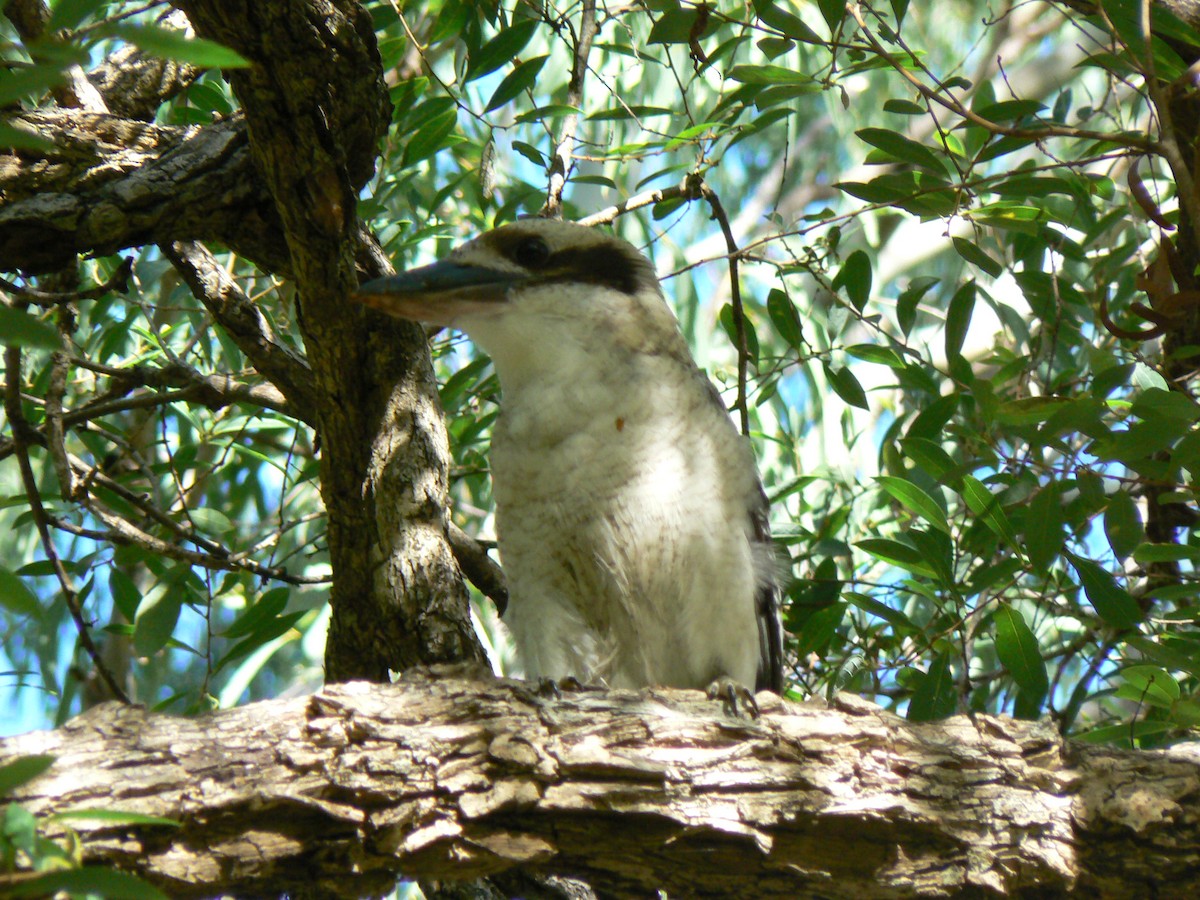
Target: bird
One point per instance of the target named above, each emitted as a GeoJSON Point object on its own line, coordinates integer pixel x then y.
{"type": "Point", "coordinates": [631, 521]}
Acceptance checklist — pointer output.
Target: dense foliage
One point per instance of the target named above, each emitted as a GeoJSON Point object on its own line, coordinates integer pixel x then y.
{"type": "Point", "coordinates": [961, 345]}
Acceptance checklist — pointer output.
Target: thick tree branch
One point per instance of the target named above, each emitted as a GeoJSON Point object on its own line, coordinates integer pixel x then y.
{"type": "Point", "coordinates": [453, 779]}
{"type": "Point", "coordinates": [112, 183]}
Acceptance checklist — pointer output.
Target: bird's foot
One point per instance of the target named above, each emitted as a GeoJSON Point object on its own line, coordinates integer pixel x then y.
{"type": "Point", "coordinates": [553, 687]}
{"type": "Point", "coordinates": [737, 699]}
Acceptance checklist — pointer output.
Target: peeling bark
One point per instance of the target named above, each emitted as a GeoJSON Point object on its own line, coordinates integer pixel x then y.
{"type": "Point", "coordinates": [444, 778]}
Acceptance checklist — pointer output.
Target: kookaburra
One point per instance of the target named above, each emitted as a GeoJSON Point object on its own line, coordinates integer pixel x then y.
{"type": "Point", "coordinates": [631, 522]}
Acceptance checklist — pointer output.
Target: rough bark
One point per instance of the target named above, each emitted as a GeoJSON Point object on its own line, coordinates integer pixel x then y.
{"type": "Point", "coordinates": [112, 183]}
{"type": "Point", "coordinates": [278, 184]}
{"type": "Point", "coordinates": [316, 107]}
{"type": "Point", "coordinates": [445, 778]}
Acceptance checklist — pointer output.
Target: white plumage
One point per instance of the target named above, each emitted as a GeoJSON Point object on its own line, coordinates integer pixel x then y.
{"type": "Point", "coordinates": [631, 521]}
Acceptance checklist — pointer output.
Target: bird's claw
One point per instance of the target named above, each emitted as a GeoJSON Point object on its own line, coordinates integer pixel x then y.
{"type": "Point", "coordinates": [736, 699]}
{"type": "Point", "coordinates": [553, 687]}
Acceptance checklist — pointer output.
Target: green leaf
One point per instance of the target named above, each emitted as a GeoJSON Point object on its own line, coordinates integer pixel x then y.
{"type": "Point", "coordinates": [1152, 553]}
{"type": "Point", "coordinates": [1112, 603]}
{"type": "Point", "coordinates": [884, 356]}
{"type": "Point", "coordinates": [210, 521]}
{"type": "Point", "coordinates": [156, 617]}
{"type": "Point", "coordinates": [903, 107]}
{"type": "Point", "coordinates": [929, 456]}
{"type": "Point", "coordinates": [500, 50]}
{"type": "Point", "coordinates": [768, 75]}
{"type": "Point", "coordinates": [531, 153]}
{"type": "Point", "coordinates": [1122, 524]}
{"type": "Point", "coordinates": [516, 81]}
{"type": "Point", "coordinates": [987, 507]}
{"type": "Point", "coordinates": [1008, 110]}
{"type": "Point", "coordinates": [855, 277]}
{"type": "Point", "coordinates": [916, 501]}
{"type": "Point", "coordinates": [909, 300]}
{"type": "Point", "coordinates": [898, 620]}
{"type": "Point", "coordinates": [265, 609]}
{"type": "Point", "coordinates": [1186, 659]}
{"type": "Point", "coordinates": [675, 26]}
{"type": "Point", "coordinates": [894, 553]}
{"type": "Point", "coordinates": [430, 138]}
{"type": "Point", "coordinates": [1149, 684]}
{"type": "Point", "coordinates": [1010, 215]}
{"type": "Point", "coordinates": [170, 44]}
{"type": "Point", "coordinates": [20, 329]}
{"type": "Point", "coordinates": [818, 630]}
{"type": "Point", "coordinates": [846, 386]}
{"type": "Point", "coordinates": [19, 136]}
{"type": "Point", "coordinates": [937, 550]}
{"type": "Point", "coordinates": [1155, 404]}
{"type": "Point", "coordinates": [958, 318]}
{"type": "Point", "coordinates": [1029, 410]}
{"type": "Point", "coordinates": [1044, 522]}
{"type": "Point", "coordinates": [111, 817]}
{"type": "Point", "coordinates": [16, 596]}
{"type": "Point", "coordinates": [1019, 653]}
{"type": "Point", "coordinates": [69, 14]}
{"type": "Point", "coordinates": [976, 257]}
{"type": "Point", "coordinates": [903, 148]}
{"type": "Point", "coordinates": [792, 26]}
{"type": "Point", "coordinates": [22, 770]}
{"type": "Point", "coordinates": [935, 696]}
{"type": "Point", "coordinates": [785, 318]}
{"type": "Point", "coordinates": [90, 880]}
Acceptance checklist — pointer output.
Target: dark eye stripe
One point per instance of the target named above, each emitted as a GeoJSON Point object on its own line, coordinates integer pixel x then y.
{"type": "Point", "coordinates": [611, 265]}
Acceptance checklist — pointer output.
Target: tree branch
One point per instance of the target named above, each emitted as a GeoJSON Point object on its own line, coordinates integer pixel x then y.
{"type": "Point", "coordinates": [244, 322]}
{"type": "Point", "coordinates": [560, 166]}
{"type": "Point", "coordinates": [112, 183]}
{"type": "Point", "coordinates": [445, 778]}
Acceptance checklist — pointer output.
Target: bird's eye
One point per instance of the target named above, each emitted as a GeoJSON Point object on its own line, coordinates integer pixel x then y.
{"type": "Point", "coordinates": [531, 253]}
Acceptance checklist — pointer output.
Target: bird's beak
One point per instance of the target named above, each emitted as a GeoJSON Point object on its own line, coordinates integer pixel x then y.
{"type": "Point", "coordinates": [440, 293]}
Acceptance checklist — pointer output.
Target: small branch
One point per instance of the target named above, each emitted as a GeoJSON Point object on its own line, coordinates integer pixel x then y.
{"type": "Point", "coordinates": [735, 294]}
{"type": "Point", "coordinates": [479, 568]}
{"type": "Point", "coordinates": [686, 190]}
{"type": "Point", "coordinates": [950, 103]}
{"type": "Point", "coordinates": [118, 281]}
{"type": "Point", "coordinates": [560, 167]}
{"type": "Point", "coordinates": [60, 368]}
{"type": "Point", "coordinates": [243, 321]}
{"type": "Point", "coordinates": [212, 555]}
{"type": "Point", "coordinates": [22, 434]}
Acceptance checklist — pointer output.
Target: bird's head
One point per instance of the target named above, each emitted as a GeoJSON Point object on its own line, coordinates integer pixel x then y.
{"type": "Point", "coordinates": [535, 291]}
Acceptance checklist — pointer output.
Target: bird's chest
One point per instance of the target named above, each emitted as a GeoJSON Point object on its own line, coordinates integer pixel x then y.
{"type": "Point", "coordinates": [577, 453]}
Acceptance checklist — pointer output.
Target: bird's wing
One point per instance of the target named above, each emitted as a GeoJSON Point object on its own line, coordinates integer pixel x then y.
{"type": "Point", "coordinates": [767, 602]}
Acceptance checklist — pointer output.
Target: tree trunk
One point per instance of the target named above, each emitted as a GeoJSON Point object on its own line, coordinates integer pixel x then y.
{"type": "Point", "coordinates": [397, 596]}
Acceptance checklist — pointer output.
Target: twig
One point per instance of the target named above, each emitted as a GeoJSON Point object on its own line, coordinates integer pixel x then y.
{"type": "Point", "coordinates": [735, 299]}
{"type": "Point", "coordinates": [950, 103]}
{"type": "Point", "coordinates": [21, 440]}
{"type": "Point", "coordinates": [243, 321]}
{"type": "Point", "coordinates": [686, 190]}
{"type": "Point", "coordinates": [55, 433]}
{"type": "Point", "coordinates": [214, 555]}
{"type": "Point", "coordinates": [481, 570]}
{"type": "Point", "coordinates": [118, 281]}
{"type": "Point", "coordinates": [565, 145]}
